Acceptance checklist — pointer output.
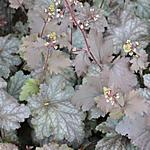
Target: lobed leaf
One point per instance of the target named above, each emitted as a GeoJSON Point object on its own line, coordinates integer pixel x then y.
{"type": "Point", "coordinates": [15, 3]}
{"type": "Point", "coordinates": [142, 8]}
{"type": "Point", "coordinates": [31, 50]}
{"type": "Point", "coordinates": [8, 48]}
{"type": "Point", "coordinates": [11, 112]}
{"type": "Point", "coordinates": [147, 80]}
{"type": "Point", "coordinates": [85, 96]}
{"type": "Point", "coordinates": [57, 62]}
{"type": "Point", "coordinates": [15, 84]}
{"type": "Point", "coordinates": [30, 87]}
{"type": "Point", "coordinates": [114, 143]}
{"type": "Point", "coordinates": [53, 114]}
{"type": "Point", "coordinates": [121, 77]}
{"type": "Point", "coordinates": [54, 146]}
{"type": "Point", "coordinates": [131, 28]}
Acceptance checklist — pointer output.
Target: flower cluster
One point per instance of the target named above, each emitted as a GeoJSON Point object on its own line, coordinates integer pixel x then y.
{"type": "Point", "coordinates": [130, 47]}
{"type": "Point", "coordinates": [110, 96]}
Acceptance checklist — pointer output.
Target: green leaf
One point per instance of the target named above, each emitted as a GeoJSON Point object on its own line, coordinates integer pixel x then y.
{"type": "Point", "coordinates": [3, 83]}
{"type": "Point", "coordinates": [8, 48]}
{"type": "Point", "coordinates": [21, 29]}
{"type": "Point", "coordinates": [112, 140]}
{"type": "Point", "coordinates": [146, 78]}
{"type": "Point", "coordinates": [145, 92]}
{"type": "Point", "coordinates": [15, 84]}
{"type": "Point", "coordinates": [108, 5]}
{"type": "Point", "coordinates": [104, 5]}
{"type": "Point", "coordinates": [69, 74]}
{"type": "Point", "coordinates": [93, 71]}
{"type": "Point", "coordinates": [54, 146]}
{"type": "Point", "coordinates": [108, 126]}
{"type": "Point", "coordinates": [4, 71]}
{"type": "Point", "coordinates": [11, 112]}
{"type": "Point", "coordinates": [114, 143]}
{"type": "Point", "coordinates": [53, 114]}
{"type": "Point", "coordinates": [77, 39]}
{"type": "Point", "coordinates": [9, 136]}
{"type": "Point", "coordinates": [142, 8]}
{"type": "Point", "coordinates": [95, 113]}
{"type": "Point", "coordinates": [30, 87]}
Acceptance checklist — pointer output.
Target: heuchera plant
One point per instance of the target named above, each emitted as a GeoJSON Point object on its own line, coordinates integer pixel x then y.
{"type": "Point", "coordinates": [75, 75]}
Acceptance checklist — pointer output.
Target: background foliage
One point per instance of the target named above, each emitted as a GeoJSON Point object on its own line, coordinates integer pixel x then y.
{"type": "Point", "coordinates": [74, 75]}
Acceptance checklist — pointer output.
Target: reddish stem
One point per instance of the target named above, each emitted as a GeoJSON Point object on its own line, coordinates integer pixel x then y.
{"type": "Point", "coordinates": [47, 56]}
{"type": "Point", "coordinates": [82, 31]}
{"type": "Point", "coordinates": [46, 61]}
{"type": "Point", "coordinates": [71, 37]}
{"type": "Point", "coordinates": [45, 22]}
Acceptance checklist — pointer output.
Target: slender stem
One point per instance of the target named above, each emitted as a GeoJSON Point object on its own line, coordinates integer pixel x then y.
{"type": "Point", "coordinates": [71, 37]}
{"type": "Point", "coordinates": [116, 7]}
{"type": "Point", "coordinates": [102, 3]}
{"type": "Point", "coordinates": [118, 103]}
{"type": "Point", "coordinates": [82, 31]}
{"type": "Point", "coordinates": [47, 56]}
{"type": "Point", "coordinates": [46, 61]}
{"type": "Point", "coordinates": [45, 22]}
